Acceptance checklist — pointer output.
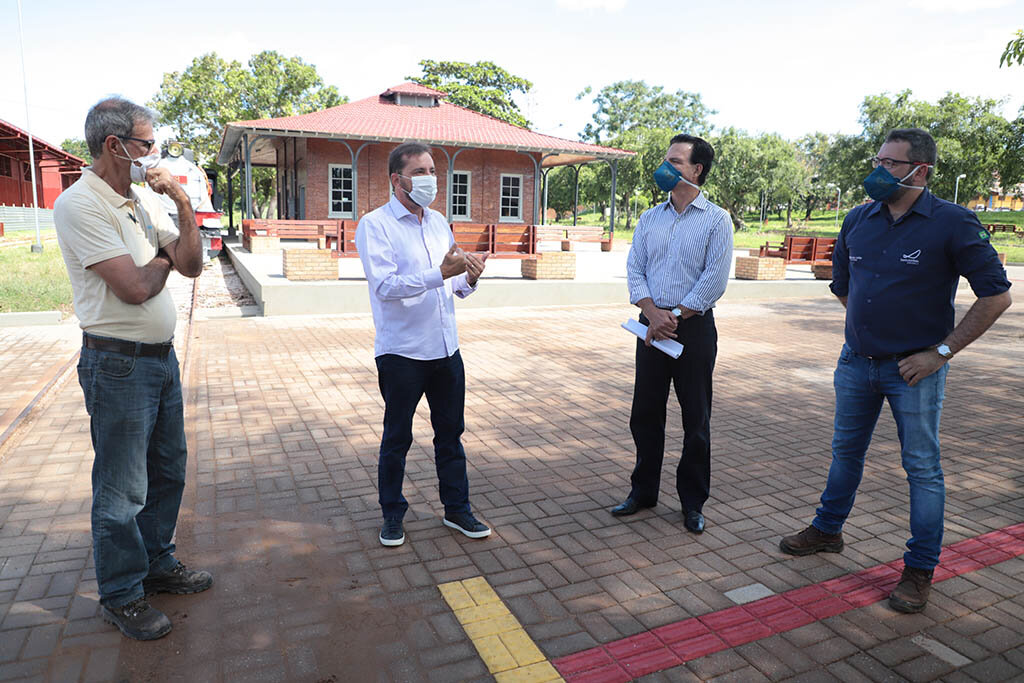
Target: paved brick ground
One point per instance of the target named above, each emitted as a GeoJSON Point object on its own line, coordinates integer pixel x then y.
{"type": "Point", "coordinates": [284, 426]}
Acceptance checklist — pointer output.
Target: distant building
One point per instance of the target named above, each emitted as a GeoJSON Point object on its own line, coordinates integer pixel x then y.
{"type": "Point", "coordinates": [998, 199]}
{"type": "Point", "coordinates": [333, 163]}
{"type": "Point", "coordinates": [56, 169]}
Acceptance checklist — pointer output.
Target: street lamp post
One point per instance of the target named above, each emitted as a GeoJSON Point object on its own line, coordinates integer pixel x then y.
{"type": "Point", "coordinates": [956, 191]}
{"type": "Point", "coordinates": [839, 193]}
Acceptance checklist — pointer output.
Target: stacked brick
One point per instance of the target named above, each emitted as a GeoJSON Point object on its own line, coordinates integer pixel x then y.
{"type": "Point", "coordinates": [309, 264]}
{"type": "Point", "coordinates": [261, 244]}
{"type": "Point", "coordinates": [756, 268]}
{"type": "Point", "coordinates": [822, 272]}
{"type": "Point", "coordinates": [552, 265]}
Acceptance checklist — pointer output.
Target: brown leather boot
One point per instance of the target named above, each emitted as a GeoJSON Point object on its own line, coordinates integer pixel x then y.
{"type": "Point", "coordinates": [811, 540]}
{"type": "Point", "coordinates": [911, 593]}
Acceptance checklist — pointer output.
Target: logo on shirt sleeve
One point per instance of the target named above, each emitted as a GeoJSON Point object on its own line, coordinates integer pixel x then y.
{"type": "Point", "coordinates": [983, 234]}
{"type": "Point", "coordinates": [911, 258]}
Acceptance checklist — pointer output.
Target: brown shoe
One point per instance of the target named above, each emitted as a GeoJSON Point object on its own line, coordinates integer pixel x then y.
{"type": "Point", "coordinates": [811, 540]}
{"type": "Point", "coordinates": [911, 593]}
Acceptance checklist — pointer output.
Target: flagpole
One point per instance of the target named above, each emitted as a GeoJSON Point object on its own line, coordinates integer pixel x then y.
{"type": "Point", "coordinates": [38, 246]}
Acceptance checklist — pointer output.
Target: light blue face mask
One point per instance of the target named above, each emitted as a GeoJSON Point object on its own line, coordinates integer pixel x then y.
{"type": "Point", "coordinates": [668, 176]}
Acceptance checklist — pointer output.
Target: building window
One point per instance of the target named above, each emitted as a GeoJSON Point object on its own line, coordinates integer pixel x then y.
{"type": "Point", "coordinates": [5, 167]}
{"type": "Point", "coordinates": [341, 191]}
{"type": "Point", "coordinates": [28, 172]}
{"type": "Point", "coordinates": [511, 197]}
{"type": "Point", "coordinates": [461, 181]}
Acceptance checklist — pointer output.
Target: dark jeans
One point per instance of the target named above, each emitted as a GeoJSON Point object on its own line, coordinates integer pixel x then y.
{"type": "Point", "coordinates": [138, 474]}
{"type": "Point", "coordinates": [403, 382]}
{"type": "Point", "coordinates": [691, 374]}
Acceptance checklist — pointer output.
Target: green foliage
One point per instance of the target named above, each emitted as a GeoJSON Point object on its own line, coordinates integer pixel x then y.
{"type": "Point", "coordinates": [970, 135]}
{"type": "Point", "coordinates": [483, 87]}
{"type": "Point", "coordinates": [78, 147]}
{"type": "Point", "coordinates": [1014, 52]}
{"type": "Point", "coordinates": [763, 171]}
{"type": "Point", "coordinates": [625, 105]}
{"type": "Point", "coordinates": [199, 101]}
{"type": "Point", "coordinates": [33, 282]}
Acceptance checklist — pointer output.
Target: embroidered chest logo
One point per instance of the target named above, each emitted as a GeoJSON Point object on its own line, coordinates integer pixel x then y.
{"type": "Point", "coordinates": [911, 258]}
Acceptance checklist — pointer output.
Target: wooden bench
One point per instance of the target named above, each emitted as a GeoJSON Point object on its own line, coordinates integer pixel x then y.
{"type": "Point", "coordinates": [513, 241]}
{"type": "Point", "coordinates": [587, 233]}
{"type": "Point", "coordinates": [475, 237]}
{"type": "Point", "coordinates": [550, 233]}
{"type": "Point", "coordinates": [343, 242]}
{"type": "Point", "coordinates": [1000, 227]}
{"type": "Point", "coordinates": [311, 231]}
{"type": "Point", "coordinates": [794, 249]}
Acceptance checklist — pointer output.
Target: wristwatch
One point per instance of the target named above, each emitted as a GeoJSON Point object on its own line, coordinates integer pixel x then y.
{"type": "Point", "coordinates": [944, 351]}
{"type": "Point", "coordinates": [677, 313]}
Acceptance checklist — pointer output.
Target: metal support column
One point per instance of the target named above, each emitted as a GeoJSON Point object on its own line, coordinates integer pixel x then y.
{"type": "Point", "coordinates": [536, 185]}
{"type": "Point", "coordinates": [615, 170]}
{"type": "Point", "coordinates": [576, 193]}
{"type": "Point", "coordinates": [451, 179]}
{"type": "Point", "coordinates": [231, 202]}
{"type": "Point", "coordinates": [248, 176]}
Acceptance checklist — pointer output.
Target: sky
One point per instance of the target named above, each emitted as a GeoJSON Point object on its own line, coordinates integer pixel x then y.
{"type": "Point", "coordinates": [785, 66]}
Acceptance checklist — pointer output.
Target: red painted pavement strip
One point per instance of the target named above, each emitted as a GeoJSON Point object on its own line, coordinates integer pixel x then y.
{"type": "Point", "coordinates": [673, 644]}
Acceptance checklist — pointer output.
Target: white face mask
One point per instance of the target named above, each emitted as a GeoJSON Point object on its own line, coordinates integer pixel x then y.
{"type": "Point", "coordinates": [424, 189]}
{"type": "Point", "coordinates": [141, 164]}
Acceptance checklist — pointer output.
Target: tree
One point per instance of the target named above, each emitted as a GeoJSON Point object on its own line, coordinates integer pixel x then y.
{"type": "Point", "coordinates": [970, 135]}
{"type": "Point", "coordinates": [784, 179]}
{"type": "Point", "coordinates": [199, 101]}
{"type": "Point", "coordinates": [1014, 52]}
{"type": "Point", "coordinates": [483, 87]}
{"type": "Point", "coordinates": [734, 181]}
{"type": "Point", "coordinates": [78, 147]}
{"type": "Point", "coordinates": [625, 105]}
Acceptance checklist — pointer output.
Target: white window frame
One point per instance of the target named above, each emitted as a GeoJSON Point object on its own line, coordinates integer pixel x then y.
{"type": "Point", "coordinates": [501, 193]}
{"type": "Point", "coordinates": [331, 213]}
{"type": "Point", "coordinates": [469, 196]}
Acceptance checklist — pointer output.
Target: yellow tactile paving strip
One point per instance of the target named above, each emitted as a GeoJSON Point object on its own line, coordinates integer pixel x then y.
{"type": "Point", "coordinates": [507, 650]}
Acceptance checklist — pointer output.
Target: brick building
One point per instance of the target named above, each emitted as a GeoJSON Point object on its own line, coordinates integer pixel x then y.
{"type": "Point", "coordinates": [56, 170]}
{"type": "Point", "coordinates": [333, 163]}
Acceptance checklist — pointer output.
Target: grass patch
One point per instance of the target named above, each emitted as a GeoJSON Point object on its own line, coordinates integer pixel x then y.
{"type": "Point", "coordinates": [33, 282]}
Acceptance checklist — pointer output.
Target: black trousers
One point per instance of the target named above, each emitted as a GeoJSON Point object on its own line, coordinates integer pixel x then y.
{"type": "Point", "coordinates": [691, 375]}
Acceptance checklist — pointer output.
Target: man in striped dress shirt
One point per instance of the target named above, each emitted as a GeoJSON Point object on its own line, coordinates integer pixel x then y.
{"type": "Point", "coordinates": [678, 267]}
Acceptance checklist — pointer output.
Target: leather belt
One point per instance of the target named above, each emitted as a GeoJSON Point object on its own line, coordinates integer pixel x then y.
{"type": "Point", "coordinates": [891, 356]}
{"type": "Point", "coordinates": [127, 348]}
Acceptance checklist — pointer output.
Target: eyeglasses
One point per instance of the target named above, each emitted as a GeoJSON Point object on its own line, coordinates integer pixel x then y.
{"type": "Point", "coordinates": [888, 163]}
{"type": "Point", "coordinates": [148, 144]}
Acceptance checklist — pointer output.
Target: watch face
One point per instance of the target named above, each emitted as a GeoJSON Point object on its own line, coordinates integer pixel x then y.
{"type": "Point", "coordinates": [944, 350]}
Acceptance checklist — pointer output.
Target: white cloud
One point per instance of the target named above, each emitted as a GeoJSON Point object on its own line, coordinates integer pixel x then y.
{"type": "Point", "coordinates": [580, 5]}
{"type": "Point", "coordinates": [957, 6]}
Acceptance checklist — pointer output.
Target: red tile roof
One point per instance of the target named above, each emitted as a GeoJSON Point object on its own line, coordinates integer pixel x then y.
{"type": "Point", "coordinates": [379, 118]}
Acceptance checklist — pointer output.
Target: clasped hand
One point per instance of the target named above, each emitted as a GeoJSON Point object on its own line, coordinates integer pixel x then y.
{"type": "Point", "coordinates": [457, 261]}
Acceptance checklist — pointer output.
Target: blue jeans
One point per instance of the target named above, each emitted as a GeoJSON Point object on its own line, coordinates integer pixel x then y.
{"type": "Point", "coordinates": [403, 382]}
{"type": "Point", "coordinates": [138, 474]}
{"type": "Point", "coordinates": [861, 386]}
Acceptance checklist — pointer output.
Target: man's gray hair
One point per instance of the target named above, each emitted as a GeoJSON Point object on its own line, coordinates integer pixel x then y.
{"type": "Point", "coordinates": [113, 116]}
{"type": "Point", "coordinates": [922, 145]}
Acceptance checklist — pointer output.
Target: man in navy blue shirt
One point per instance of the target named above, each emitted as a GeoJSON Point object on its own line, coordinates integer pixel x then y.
{"type": "Point", "coordinates": [895, 268]}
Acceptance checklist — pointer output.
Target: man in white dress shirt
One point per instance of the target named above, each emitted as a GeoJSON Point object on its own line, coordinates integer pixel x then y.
{"type": "Point", "coordinates": [413, 267]}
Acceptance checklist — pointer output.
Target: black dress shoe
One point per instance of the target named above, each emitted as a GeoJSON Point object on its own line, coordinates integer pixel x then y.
{"type": "Point", "coordinates": [627, 507]}
{"type": "Point", "coordinates": [694, 522]}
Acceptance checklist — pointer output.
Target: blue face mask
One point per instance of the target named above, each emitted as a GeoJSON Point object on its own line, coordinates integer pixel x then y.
{"type": "Point", "coordinates": [667, 176]}
{"type": "Point", "coordinates": [880, 184]}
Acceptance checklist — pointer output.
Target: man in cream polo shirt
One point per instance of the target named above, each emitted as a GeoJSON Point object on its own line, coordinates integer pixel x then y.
{"type": "Point", "coordinates": [119, 246]}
